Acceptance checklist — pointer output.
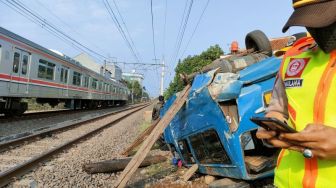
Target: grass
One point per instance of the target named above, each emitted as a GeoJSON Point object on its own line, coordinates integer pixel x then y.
{"type": "Point", "coordinates": [144, 125]}
{"type": "Point", "coordinates": [33, 105]}
{"type": "Point", "coordinates": [161, 169]}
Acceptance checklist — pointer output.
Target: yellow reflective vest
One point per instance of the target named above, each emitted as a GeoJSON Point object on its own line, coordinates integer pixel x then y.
{"type": "Point", "coordinates": [309, 76]}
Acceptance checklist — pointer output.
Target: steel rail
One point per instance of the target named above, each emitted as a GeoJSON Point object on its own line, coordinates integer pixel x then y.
{"type": "Point", "coordinates": [45, 114]}
{"type": "Point", "coordinates": [26, 139]}
{"type": "Point", "coordinates": [7, 176]}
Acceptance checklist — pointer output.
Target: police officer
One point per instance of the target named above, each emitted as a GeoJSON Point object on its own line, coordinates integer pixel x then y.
{"type": "Point", "coordinates": [157, 108]}
{"type": "Point", "coordinates": [304, 96]}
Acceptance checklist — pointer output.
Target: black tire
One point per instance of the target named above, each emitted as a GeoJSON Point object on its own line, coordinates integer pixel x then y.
{"type": "Point", "coordinates": [258, 41]}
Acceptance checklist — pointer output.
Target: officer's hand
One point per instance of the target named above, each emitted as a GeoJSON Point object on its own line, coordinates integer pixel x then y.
{"type": "Point", "coordinates": [320, 139]}
{"type": "Point", "coordinates": [271, 137]}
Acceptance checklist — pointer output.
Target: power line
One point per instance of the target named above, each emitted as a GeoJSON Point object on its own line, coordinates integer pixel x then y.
{"type": "Point", "coordinates": [184, 26]}
{"type": "Point", "coordinates": [126, 28]}
{"type": "Point", "coordinates": [120, 29]}
{"type": "Point", "coordinates": [65, 24]}
{"type": "Point", "coordinates": [153, 31]}
{"type": "Point", "coordinates": [38, 19]}
{"type": "Point", "coordinates": [198, 22]}
{"type": "Point", "coordinates": [180, 28]}
{"type": "Point", "coordinates": [33, 19]}
{"type": "Point", "coordinates": [29, 17]}
{"type": "Point", "coordinates": [44, 21]}
{"type": "Point", "coordinates": [164, 32]}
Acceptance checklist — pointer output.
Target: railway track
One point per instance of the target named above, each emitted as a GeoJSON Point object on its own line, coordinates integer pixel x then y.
{"type": "Point", "coordinates": [20, 156]}
{"type": "Point", "coordinates": [32, 115]}
{"type": "Point", "coordinates": [44, 114]}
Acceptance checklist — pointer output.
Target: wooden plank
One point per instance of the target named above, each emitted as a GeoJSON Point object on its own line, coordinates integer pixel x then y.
{"type": "Point", "coordinates": [116, 165]}
{"type": "Point", "coordinates": [191, 171]}
{"type": "Point", "coordinates": [151, 139]}
{"type": "Point", "coordinates": [140, 138]}
{"type": "Point", "coordinates": [258, 163]}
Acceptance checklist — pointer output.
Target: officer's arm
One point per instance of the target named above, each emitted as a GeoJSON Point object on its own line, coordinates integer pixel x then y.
{"type": "Point", "coordinates": [278, 107]}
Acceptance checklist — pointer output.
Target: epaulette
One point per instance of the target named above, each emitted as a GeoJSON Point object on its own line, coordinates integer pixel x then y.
{"type": "Point", "coordinates": [300, 46]}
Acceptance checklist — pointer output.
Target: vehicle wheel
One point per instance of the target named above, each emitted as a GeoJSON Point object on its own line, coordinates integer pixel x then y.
{"type": "Point", "coordinates": [258, 41]}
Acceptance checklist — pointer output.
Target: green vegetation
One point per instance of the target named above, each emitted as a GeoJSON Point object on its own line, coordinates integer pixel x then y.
{"type": "Point", "coordinates": [144, 125]}
{"type": "Point", "coordinates": [192, 64]}
{"type": "Point", "coordinates": [138, 91]}
{"type": "Point", "coordinates": [34, 106]}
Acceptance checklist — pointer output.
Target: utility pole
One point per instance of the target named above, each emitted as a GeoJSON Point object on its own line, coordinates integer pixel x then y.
{"type": "Point", "coordinates": [132, 92]}
{"type": "Point", "coordinates": [104, 71]}
{"type": "Point", "coordinates": [162, 74]}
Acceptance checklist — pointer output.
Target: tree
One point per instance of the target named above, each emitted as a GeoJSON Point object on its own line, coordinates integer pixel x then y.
{"type": "Point", "coordinates": [135, 86]}
{"type": "Point", "coordinates": [192, 64]}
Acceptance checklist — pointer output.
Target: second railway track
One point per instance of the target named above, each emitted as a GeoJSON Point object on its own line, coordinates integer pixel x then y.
{"type": "Point", "coordinates": [19, 156]}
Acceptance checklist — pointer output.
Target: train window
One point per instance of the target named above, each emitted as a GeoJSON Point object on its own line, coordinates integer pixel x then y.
{"type": "Point", "coordinates": [208, 148]}
{"type": "Point", "coordinates": [100, 86]}
{"type": "Point", "coordinates": [24, 65]}
{"type": "Point", "coordinates": [86, 81]}
{"type": "Point", "coordinates": [76, 78]}
{"type": "Point", "coordinates": [106, 85]}
{"type": "Point", "coordinates": [64, 75]}
{"type": "Point", "coordinates": [94, 83]}
{"type": "Point", "coordinates": [46, 69]}
{"type": "Point", "coordinates": [16, 62]}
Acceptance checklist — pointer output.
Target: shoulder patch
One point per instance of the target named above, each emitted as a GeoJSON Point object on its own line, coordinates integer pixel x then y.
{"type": "Point", "coordinates": [300, 46]}
{"type": "Point", "coordinates": [295, 67]}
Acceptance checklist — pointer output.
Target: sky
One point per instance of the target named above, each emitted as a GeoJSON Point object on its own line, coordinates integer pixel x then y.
{"type": "Point", "coordinates": [88, 22]}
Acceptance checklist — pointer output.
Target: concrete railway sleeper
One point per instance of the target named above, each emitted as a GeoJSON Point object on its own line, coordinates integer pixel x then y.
{"type": "Point", "coordinates": [20, 156]}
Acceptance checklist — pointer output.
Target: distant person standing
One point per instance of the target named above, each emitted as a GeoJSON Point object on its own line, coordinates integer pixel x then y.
{"type": "Point", "coordinates": [157, 108]}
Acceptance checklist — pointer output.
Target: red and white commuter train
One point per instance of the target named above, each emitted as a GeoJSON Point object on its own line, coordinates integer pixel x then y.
{"type": "Point", "coordinates": [28, 70]}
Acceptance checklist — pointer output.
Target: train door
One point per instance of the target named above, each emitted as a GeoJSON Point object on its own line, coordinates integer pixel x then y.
{"type": "Point", "coordinates": [64, 80]}
{"type": "Point", "coordinates": [20, 72]}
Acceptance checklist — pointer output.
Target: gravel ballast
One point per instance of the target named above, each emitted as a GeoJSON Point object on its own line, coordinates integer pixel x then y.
{"type": "Point", "coordinates": [65, 170]}
{"type": "Point", "coordinates": [23, 127]}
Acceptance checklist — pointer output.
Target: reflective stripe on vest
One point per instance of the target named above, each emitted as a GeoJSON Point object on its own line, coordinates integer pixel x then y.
{"type": "Point", "coordinates": [311, 91]}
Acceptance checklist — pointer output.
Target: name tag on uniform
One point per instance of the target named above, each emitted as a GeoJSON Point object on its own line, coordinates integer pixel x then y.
{"type": "Point", "coordinates": [293, 83]}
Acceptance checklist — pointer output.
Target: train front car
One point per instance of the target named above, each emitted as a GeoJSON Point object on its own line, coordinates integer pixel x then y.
{"type": "Point", "coordinates": [28, 70]}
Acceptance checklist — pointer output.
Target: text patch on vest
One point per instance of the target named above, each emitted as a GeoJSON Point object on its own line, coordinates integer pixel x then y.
{"type": "Point", "coordinates": [291, 83]}
{"type": "Point", "coordinates": [294, 71]}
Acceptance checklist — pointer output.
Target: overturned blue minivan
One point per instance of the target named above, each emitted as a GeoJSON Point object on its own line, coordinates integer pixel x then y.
{"type": "Point", "coordinates": [213, 128]}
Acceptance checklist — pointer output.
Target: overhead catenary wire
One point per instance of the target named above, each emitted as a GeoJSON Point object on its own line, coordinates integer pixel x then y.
{"type": "Point", "coordinates": [184, 26]}
{"type": "Point", "coordinates": [16, 4]}
{"type": "Point", "coordinates": [33, 19]}
{"type": "Point", "coordinates": [196, 27]}
{"type": "Point", "coordinates": [120, 29]}
{"type": "Point", "coordinates": [17, 9]}
{"type": "Point", "coordinates": [71, 28]}
{"type": "Point", "coordinates": [180, 28]}
{"type": "Point", "coordinates": [127, 31]}
{"type": "Point", "coordinates": [164, 30]}
{"type": "Point", "coordinates": [153, 31]}
{"type": "Point", "coordinates": [57, 29]}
